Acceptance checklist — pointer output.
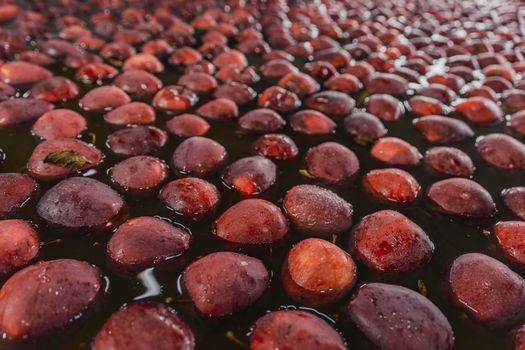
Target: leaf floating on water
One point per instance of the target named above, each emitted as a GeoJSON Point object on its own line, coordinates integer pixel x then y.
{"type": "Point", "coordinates": [422, 287]}
{"type": "Point", "coordinates": [172, 300]}
{"type": "Point", "coordinates": [115, 62]}
{"type": "Point", "coordinates": [362, 97]}
{"type": "Point", "coordinates": [463, 316]}
{"type": "Point", "coordinates": [306, 174]}
{"type": "Point", "coordinates": [231, 336]}
{"type": "Point", "coordinates": [67, 159]}
{"type": "Point", "coordinates": [363, 141]}
{"type": "Point", "coordinates": [55, 241]}
{"type": "Point", "coordinates": [92, 137]}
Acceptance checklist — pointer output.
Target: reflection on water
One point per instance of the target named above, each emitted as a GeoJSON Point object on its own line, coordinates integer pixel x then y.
{"type": "Point", "coordinates": [151, 286]}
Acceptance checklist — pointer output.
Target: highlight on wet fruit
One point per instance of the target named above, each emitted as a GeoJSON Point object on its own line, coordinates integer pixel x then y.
{"type": "Point", "coordinates": [317, 272]}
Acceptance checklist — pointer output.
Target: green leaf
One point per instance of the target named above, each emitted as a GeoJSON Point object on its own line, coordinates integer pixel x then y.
{"type": "Point", "coordinates": [92, 137]}
{"type": "Point", "coordinates": [306, 174]}
{"type": "Point", "coordinates": [67, 159]}
{"type": "Point", "coordinates": [116, 63]}
{"type": "Point", "coordinates": [422, 287]}
{"type": "Point", "coordinates": [363, 141]}
{"type": "Point", "coordinates": [231, 336]}
{"type": "Point", "coordinates": [360, 102]}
